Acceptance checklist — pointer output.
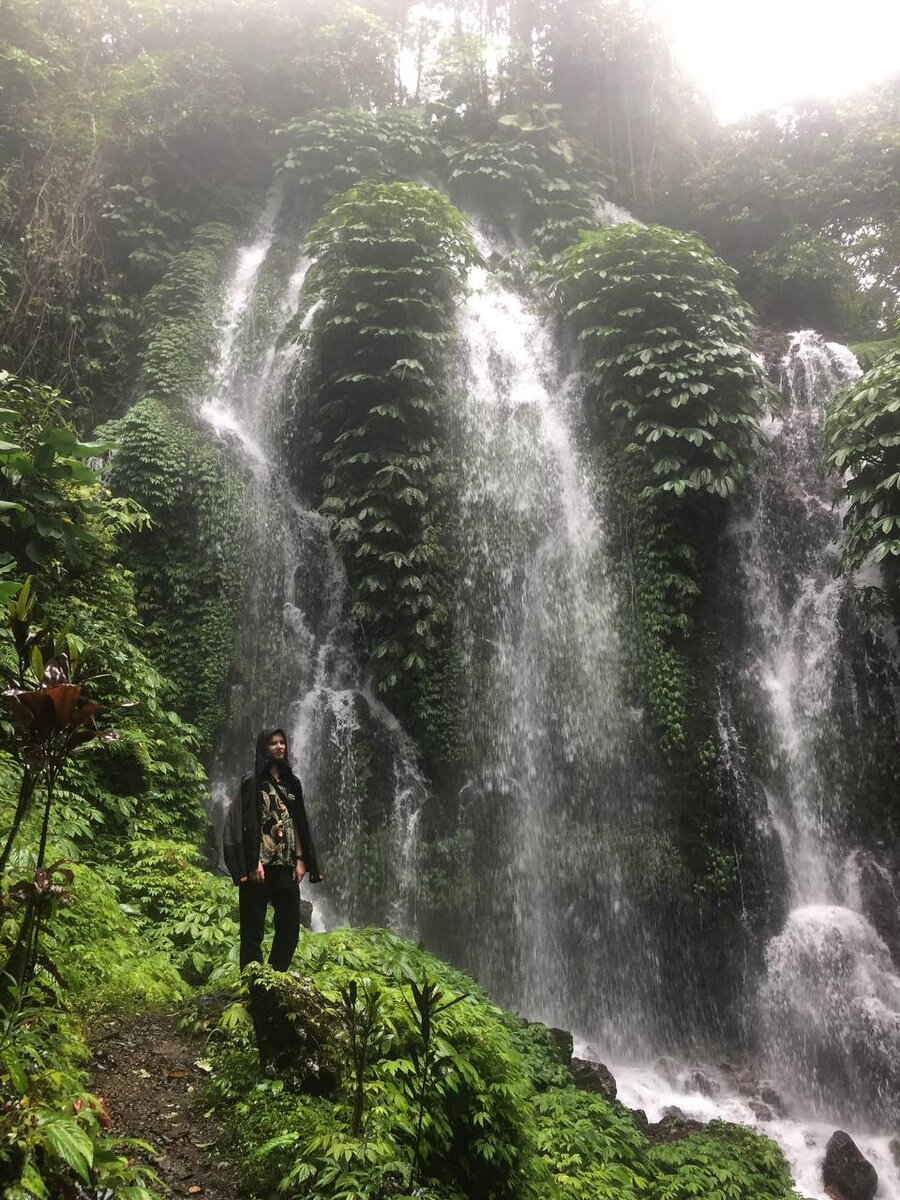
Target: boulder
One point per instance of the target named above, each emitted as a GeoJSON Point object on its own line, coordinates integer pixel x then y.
{"type": "Point", "coordinates": [846, 1172]}
{"type": "Point", "coordinates": [667, 1068]}
{"type": "Point", "coordinates": [894, 1147]}
{"type": "Point", "coordinates": [880, 902]}
{"type": "Point", "coordinates": [593, 1077]}
{"type": "Point", "coordinates": [696, 1081]}
{"type": "Point", "coordinates": [761, 1111]}
{"type": "Point", "coordinates": [562, 1044]}
{"type": "Point", "coordinates": [672, 1125]}
{"type": "Point", "coordinates": [298, 1030]}
{"type": "Point", "coordinates": [769, 1096]}
{"type": "Point", "coordinates": [306, 912]}
{"type": "Point", "coordinates": [640, 1119]}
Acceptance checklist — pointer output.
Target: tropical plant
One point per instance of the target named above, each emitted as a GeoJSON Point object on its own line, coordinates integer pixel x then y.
{"type": "Point", "coordinates": [390, 263]}
{"type": "Point", "coordinates": [50, 498]}
{"type": "Point", "coordinates": [330, 152]}
{"type": "Point", "coordinates": [674, 391]}
{"type": "Point", "coordinates": [668, 350]}
{"type": "Point", "coordinates": [862, 433]}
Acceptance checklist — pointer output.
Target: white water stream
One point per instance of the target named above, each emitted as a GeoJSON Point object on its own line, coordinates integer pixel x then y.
{"type": "Point", "coordinates": [560, 794]}
{"type": "Point", "coordinates": [296, 659]}
{"type": "Point", "coordinates": [556, 793]}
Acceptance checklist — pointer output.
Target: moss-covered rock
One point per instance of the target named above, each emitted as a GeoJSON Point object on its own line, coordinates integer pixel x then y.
{"type": "Point", "coordinates": [298, 1030]}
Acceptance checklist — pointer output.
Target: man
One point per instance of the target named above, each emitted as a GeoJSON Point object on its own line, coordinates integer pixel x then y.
{"type": "Point", "coordinates": [268, 849]}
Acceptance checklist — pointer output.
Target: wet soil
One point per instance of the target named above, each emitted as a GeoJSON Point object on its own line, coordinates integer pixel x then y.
{"type": "Point", "coordinates": [151, 1076]}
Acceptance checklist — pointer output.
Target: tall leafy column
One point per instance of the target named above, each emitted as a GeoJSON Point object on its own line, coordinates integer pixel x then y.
{"type": "Point", "coordinates": [391, 263]}
{"type": "Point", "coordinates": [674, 392]}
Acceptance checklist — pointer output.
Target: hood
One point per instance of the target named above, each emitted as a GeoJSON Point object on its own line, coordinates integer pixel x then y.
{"type": "Point", "coordinates": [261, 758]}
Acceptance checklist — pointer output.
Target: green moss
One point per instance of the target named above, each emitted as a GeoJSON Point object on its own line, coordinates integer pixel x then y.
{"type": "Point", "coordinates": [189, 566]}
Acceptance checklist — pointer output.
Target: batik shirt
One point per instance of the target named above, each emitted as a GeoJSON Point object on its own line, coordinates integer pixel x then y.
{"type": "Point", "coordinates": [276, 830]}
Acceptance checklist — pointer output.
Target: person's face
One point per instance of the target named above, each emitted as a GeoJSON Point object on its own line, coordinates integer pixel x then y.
{"type": "Point", "coordinates": [277, 746]}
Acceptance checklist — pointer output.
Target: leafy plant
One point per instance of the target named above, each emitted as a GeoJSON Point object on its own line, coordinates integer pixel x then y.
{"type": "Point", "coordinates": [862, 433]}
{"type": "Point", "coordinates": [427, 1000]}
{"type": "Point", "coordinates": [502, 1119]}
{"type": "Point", "coordinates": [330, 152]}
{"type": "Point", "coordinates": [50, 498]}
{"type": "Point", "coordinates": [360, 1008]}
{"type": "Point", "coordinates": [674, 392]}
{"type": "Point", "coordinates": [668, 350]}
{"type": "Point", "coordinates": [390, 262]}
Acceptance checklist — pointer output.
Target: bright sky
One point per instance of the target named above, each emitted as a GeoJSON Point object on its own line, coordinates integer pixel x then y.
{"type": "Point", "coordinates": [761, 55]}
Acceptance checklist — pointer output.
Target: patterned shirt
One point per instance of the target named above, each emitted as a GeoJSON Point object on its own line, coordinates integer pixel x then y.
{"type": "Point", "coordinates": [276, 830]}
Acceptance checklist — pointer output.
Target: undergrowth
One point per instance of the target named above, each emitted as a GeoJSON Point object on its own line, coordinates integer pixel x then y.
{"type": "Point", "coordinates": [502, 1119]}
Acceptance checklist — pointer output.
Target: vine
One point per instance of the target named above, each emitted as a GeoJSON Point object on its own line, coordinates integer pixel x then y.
{"type": "Point", "coordinates": [674, 391]}
{"type": "Point", "coordinates": [862, 433]}
{"type": "Point", "coordinates": [390, 264]}
{"type": "Point", "coordinates": [331, 152]}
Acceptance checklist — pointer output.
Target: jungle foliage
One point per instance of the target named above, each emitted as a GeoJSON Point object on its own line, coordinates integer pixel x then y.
{"type": "Point", "coordinates": [137, 140]}
{"type": "Point", "coordinates": [502, 1117]}
{"type": "Point", "coordinates": [390, 262]}
{"type": "Point", "coordinates": [863, 438]}
{"type": "Point", "coordinates": [674, 394]}
{"type": "Point", "coordinates": [805, 206]}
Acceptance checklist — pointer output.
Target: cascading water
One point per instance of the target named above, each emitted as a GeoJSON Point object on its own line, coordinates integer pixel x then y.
{"type": "Point", "coordinates": [556, 796]}
{"type": "Point", "coordinates": [295, 659]}
{"type": "Point", "coordinates": [829, 1005]}
{"type": "Point", "coordinates": [560, 793]}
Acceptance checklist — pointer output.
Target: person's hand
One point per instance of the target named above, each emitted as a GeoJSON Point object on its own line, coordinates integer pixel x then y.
{"type": "Point", "coordinates": [299, 870]}
{"type": "Point", "coordinates": [258, 875]}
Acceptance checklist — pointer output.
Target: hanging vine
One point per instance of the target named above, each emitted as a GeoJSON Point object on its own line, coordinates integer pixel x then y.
{"type": "Point", "coordinates": [390, 265]}
{"type": "Point", "coordinates": [674, 391]}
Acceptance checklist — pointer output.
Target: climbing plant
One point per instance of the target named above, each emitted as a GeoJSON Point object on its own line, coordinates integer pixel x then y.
{"type": "Point", "coordinates": [529, 176]}
{"type": "Point", "coordinates": [180, 316]}
{"type": "Point", "coordinates": [390, 264]}
{"type": "Point", "coordinates": [329, 152]}
{"type": "Point", "coordinates": [189, 565]}
{"type": "Point", "coordinates": [862, 434]}
{"type": "Point", "coordinates": [674, 392]}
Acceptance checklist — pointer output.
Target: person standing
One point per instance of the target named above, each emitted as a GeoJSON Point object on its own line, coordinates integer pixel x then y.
{"type": "Point", "coordinates": [268, 849]}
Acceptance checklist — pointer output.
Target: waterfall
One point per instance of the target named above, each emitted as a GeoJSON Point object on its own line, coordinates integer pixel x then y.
{"type": "Point", "coordinates": [567, 839]}
{"type": "Point", "coordinates": [828, 1009]}
{"type": "Point", "coordinates": [296, 659]}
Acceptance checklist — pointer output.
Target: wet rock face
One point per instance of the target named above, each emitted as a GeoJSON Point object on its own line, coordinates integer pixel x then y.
{"type": "Point", "coordinates": [672, 1126]}
{"type": "Point", "coordinates": [298, 1031]}
{"type": "Point", "coordinates": [880, 902]}
{"type": "Point", "coordinates": [593, 1077]}
{"type": "Point", "coordinates": [846, 1172]}
{"type": "Point", "coordinates": [563, 1044]}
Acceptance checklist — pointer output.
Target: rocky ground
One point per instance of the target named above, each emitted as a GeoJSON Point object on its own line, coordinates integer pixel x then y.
{"type": "Point", "coordinates": [151, 1074]}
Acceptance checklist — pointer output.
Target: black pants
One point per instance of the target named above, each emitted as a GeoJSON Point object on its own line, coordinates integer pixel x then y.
{"type": "Point", "coordinates": [281, 890]}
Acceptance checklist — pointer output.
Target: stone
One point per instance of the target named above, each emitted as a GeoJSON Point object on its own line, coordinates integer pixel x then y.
{"type": "Point", "coordinates": [640, 1119]}
{"type": "Point", "coordinates": [673, 1124]}
{"type": "Point", "coordinates": [769, 1096]}
{"type": "Point", "coordinates": [894, 1147]}
{"type": "Point", "coordinates": [697, 1081]}
{"type": "Point", "coordinates": [672, 1110]}
{"type": "Point", "coordinates": [298, 1030]}
{"type": "Point", "coordinates": [563, 1044]}
{"type": "Point", "coordinates": [306, 912]}
{"type": "Point", "coordinates": [761, 1111]}
{"type": "Point", "coordinates": [846, 1172]}
{"type": "Point", "coordinates": [880, 901]}
{"type": "Point", "coordinates": [667, 1068]}
{"type": "Point", "coordinates": [593, 1077]}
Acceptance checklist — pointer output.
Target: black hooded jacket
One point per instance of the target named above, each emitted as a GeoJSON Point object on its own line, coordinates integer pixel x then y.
{"type": "Point", "coordinates": [241, 840]}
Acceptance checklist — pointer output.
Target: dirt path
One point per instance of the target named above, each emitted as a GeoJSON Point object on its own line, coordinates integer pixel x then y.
{"type": "Point", "coordinates": [146, 1070]}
